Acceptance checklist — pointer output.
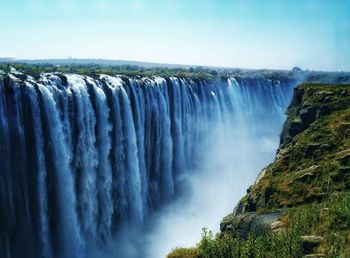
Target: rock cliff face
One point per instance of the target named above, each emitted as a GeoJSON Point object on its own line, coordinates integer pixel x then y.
{"type": "Point", "coordinates": [312, 163]}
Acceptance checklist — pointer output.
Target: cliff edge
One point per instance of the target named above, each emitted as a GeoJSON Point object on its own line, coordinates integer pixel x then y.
{"type": "Point", "coordinates": [299, 206]}
{"type": "Point", "coordinates": [311, 168]}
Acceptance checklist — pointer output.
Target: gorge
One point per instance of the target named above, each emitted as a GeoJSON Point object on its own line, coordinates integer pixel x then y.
{"type": "Point", "coordinates": [83, 156]}
{"type": "Point", "coordinates": [175, 129]}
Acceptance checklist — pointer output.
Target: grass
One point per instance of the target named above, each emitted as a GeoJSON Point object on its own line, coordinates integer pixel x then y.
{"type": "Point", "coordinates": [316, 149]}
{"type": "Point", "coordinates": [184, 252]}
{"type": "Point", "coordinates": [329, 219]}
{"type": "Point", "coordinates": [309, 180]}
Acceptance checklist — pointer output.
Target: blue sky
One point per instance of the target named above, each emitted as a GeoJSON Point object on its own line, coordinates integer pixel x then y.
{"type": "Point", "coordinates": [312, 34]}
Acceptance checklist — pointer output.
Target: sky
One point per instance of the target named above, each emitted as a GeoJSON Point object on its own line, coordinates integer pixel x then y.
{"type": "Point", "coordinates": [278, 34]}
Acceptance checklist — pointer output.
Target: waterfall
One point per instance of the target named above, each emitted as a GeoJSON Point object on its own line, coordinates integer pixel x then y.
{"type": "Point", "coordinates": [82, 156]}
{"type": "Point", "coordinates": [44, 233]}
{"type": "Point", "coordinates": [64, 196]}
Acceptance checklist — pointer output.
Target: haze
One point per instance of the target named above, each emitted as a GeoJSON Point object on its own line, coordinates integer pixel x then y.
{"type": "Point", "coordinates": [278, 34]}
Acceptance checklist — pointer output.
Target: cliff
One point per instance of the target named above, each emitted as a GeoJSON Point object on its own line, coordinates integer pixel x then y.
{"type": "Point", "coordinates": [311, 169]}
{"type": "Point", "coordinates": [313, 158]}
{"type": "Point", "coordinates": [299, 206]}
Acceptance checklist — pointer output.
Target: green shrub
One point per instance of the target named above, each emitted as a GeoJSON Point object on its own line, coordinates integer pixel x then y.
{"type": "Point", "coordinates": [283, 244]}
{"type": "Point", "coordinates": [330, 219]}
{"type": "Point", "coordinates": [183, 253]}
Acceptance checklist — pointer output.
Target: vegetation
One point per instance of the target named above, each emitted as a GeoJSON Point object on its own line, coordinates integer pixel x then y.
{"type": "Point", "coordinates": [330, 219]}
{"type": "Point", "coordinates": [93, 70]}
{"type": "Point", "coordinates": [309, 181]}
{"type": "Point", "coordinates": [314, 164]}
{"type": "Point", "coordinates": [184, 252]}
{"type": "Point", "coordinates": [195, 73]}
{"type": "Point", "coordinates": [95, 67]}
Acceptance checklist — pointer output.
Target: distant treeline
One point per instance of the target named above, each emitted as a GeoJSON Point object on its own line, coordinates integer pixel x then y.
{"type": "Point", "coordinates": [129, 70]}
{"type": "Point", "coordinates": [196, 73]}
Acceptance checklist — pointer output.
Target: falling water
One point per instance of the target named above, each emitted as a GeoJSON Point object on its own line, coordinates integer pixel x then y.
{"type": "Point", "coordinates": [81, 157]}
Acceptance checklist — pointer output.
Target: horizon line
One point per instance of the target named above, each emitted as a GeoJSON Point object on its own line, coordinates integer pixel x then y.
{"type": "Point", "coordinates": [153, 64]}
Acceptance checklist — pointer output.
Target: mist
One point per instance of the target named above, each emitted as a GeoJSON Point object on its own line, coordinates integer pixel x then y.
{"type": "Point", "coordinates": [230, 164]}
{"type": "Point", "coordinates": [178, 158]}
{"type": "Point", "coordinates": [212, 191]}
{"type": "Point", "coordinates": [235, 149]}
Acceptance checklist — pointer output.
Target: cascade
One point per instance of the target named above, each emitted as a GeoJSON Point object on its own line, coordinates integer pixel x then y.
{"type": "Point", "coordinates": [81, 156]}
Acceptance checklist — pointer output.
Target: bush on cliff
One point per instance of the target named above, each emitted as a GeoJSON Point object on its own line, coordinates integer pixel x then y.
{"type": "Point", "coordinates": [309, 181]}
{"type": "Point", "coordinates": [329, 219]}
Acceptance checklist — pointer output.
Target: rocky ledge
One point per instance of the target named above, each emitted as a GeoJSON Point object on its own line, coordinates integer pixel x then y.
{"type": "Point", "coordinates": [299, 205]}
{"type": "Point", "coordinates": [312, 165]}
{"type": "Point", "coordinates": [252, 223]}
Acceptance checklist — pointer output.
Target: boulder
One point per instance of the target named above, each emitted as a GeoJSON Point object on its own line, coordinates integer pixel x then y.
{"type": "Point", "coordinates": [252, 223]}
{"type": "Point", "coordinates": [277, 226]}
